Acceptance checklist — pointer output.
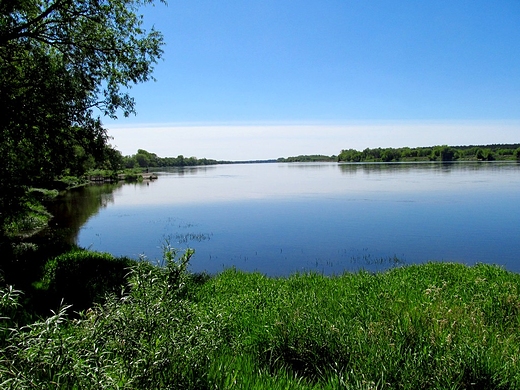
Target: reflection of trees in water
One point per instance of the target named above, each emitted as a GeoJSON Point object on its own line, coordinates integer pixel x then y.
{"type": "Point", "coordinates": [313, 165]}
{"type": "Point", "coordinates": [444, 167]}
{"type": "Point", "coordinates": [182, 171]}
{"type": "Point", "coordinates": [73, 208]}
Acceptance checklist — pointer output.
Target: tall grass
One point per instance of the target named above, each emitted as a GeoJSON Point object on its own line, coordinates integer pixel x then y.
{"type": "Point", "coordinates": [150, 337]}
{"type": "Point", "coordinates": [431, 326]}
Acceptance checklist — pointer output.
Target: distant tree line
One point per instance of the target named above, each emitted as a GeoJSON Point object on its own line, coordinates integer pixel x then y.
{"type": "Point", "coordinates": [434, 153]}
{"type": "Point", "coordinates": [308, 158]}
{"type": "Point", "coordinates": [145, 159]}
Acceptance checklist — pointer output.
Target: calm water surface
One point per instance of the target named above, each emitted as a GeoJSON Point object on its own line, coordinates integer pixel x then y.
{"type": "Point", "coordinates": [283, 218]}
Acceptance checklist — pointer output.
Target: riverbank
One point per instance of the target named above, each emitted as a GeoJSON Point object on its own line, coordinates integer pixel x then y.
{"type": "Point", "coordinates": [128, 175]}
{"type": "Point", "coordinates": [33, 216]}
{"type": "Point", "coordinates": [430, 326]}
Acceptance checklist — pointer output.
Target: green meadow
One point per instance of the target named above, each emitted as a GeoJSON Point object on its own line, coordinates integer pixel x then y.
{"type": "Point", "coordinates": [157, 326]}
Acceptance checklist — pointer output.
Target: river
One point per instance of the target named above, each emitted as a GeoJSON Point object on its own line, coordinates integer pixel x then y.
{"type": "Point", "coordinates": [281, 218]}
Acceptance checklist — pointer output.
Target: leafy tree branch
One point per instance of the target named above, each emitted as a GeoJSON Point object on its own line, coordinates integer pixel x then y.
{"type": "Point", "coordinates": [64, 64]}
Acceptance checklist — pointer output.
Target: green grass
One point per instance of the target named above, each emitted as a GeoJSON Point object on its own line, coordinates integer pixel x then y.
{"type": "Point", "coordinates": [35, 218]}
{"type": "Point", "coordinates": [431, 326]}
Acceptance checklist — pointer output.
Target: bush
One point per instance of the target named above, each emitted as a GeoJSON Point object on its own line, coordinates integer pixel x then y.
{"type": "Point", "coordinates": [132, 177]}
{"type": "Point", "coordinates": [82, 277]}
{"type": "Point", "coordinates": [67, 182]}
{"type": "Point", "coordinates": [149, 338]}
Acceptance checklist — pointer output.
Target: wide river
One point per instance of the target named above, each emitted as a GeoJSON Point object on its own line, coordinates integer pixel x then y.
{"type": "Point", "coordinates": [325, 217]}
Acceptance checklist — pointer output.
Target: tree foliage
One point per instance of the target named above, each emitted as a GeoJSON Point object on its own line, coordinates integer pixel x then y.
{"type": "Point", "coordinates": [443, 153]}
{"type": "Point", "coordinates": [64, 64]}
{"type": "Point", "coordinates": [434, 153]}
{"type": "Point", "coordinates": [145, 159]}
{"type": "Point", "coordinates": [307, 158]}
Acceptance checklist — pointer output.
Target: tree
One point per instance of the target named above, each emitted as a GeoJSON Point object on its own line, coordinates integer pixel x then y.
{"type": "Point", "coordinates": [142, 160]}
{"type": "Point", "coordinates": [444, 153]}
{"type": "Point", "coordinates": [113, 159]}
{"type": "Point", "coordinates": [484, 154]}
{"type": "Point", "coordinates": [350, 155]}
{"type": "Point", "coordinates": [63, 64]}
{"type": "Point", "coordinates": [407, 152]}
{"type": "Point", "coordinates": [389, 154]}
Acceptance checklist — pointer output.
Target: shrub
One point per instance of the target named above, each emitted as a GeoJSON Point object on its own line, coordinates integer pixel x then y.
{"type": "Point", "coordinates": [82, 277]}
{"type": "Point", "coordinates": [133, 177]}
{"type": "Point", "coordinates": [151, 337]}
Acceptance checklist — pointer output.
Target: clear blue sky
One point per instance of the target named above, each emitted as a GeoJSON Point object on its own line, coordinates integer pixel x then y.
{"type": "Point", "coordinates": [265, 79]}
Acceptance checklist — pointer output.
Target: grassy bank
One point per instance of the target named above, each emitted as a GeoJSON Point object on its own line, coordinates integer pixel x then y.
{"type": "Point", "coordinates": [32, 215]}
{"type": "Point", "coordinates": [431, 326]}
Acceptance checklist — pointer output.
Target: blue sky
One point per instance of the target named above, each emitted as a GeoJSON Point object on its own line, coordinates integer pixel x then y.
{"type": "Point", "coordinates": [265, 79]}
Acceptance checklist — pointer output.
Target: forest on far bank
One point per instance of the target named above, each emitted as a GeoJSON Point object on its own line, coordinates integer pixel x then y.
{"type": "Point", "coordinates": [428, 153]}
{"type": "Point", "coordinates": [145, 159]}
{"type": "Point", "coordinates": [433, 153]}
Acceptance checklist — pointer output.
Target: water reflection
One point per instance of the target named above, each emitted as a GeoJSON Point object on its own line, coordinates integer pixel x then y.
{"type": "Point", "coordinates": [182, 171]}
{"type": "Point", "coordinates": [231, 183]}
{"type": "Point", "coordinates": [446, 167]}
{"type": "Point", "coordinates": [280, 218]}
{"type": "Point", "coordinates": [72, 209]}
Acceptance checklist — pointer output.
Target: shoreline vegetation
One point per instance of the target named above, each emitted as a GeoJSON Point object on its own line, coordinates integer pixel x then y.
{"type": "Point", "coordinates": [133, 324]}
{"type": "Point", "coordinates": [442, 153]}
{"type": "Point", "coordinates": [74, 318]}
{"type": "Point", "coordinates": [493, 152]}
